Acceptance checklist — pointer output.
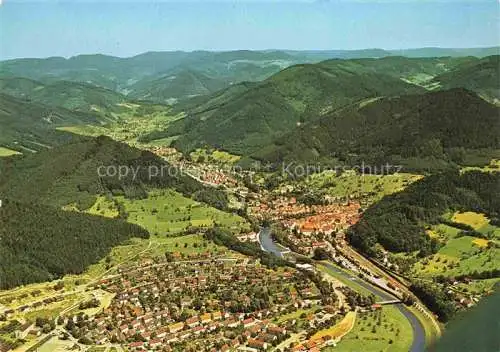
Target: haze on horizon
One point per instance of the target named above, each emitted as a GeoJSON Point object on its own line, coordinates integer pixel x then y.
{"type": "Point", "coordinates": [60, 28]}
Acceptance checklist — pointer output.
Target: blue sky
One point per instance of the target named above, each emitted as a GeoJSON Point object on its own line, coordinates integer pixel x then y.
{"type": "Point", "coordinates": [42, 28]}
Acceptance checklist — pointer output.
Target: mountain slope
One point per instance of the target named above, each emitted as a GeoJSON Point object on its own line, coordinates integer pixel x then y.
{"type": "Point", "coordinates": [482, 76]}
{"type": "Point", "coordinates": [41, 243]}
{"type": "Point", "coordinates": [398, 221]}
{"type": "Point", "coordinates": [253, 116]}
{"type": "Point", "coordinates": [134, 74]}
{"type": "Point", "coordinates": [439, 125]}
{"type": "Point", "coordinates": [30, 126]}
{"type": "Point", "coordinates": [75, 173]}
{"type": "Point", "coordinates": [176, 86]}
{"type": "Point", "coordinates": [69, 95]}
{"type": "Point", "coordinates": [225, 68]}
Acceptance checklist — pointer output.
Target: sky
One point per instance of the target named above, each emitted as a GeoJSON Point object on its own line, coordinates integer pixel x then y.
{"type": "Point", "coordinates": [44, 28]}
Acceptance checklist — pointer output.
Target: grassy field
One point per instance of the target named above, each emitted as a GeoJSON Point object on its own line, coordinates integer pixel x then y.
{"type": "Point", "coordinates": [7, 152]}
{"type": "Point", "coordinates": [443, 232]}
{"type": "Point", "coordinates": [369, 187]}
{"type": "Point", "coordinates": [56, 345]}
{"type": "Point", "coordinates": [478, 222]}
{"type": "Point", "coordinates": [167, 212]}
{"type": "Point", "coordinates": [50, 313]}
{"type": "Point", "coordinates": [130, 124]}
{"type": "Point", "coordinates": [479, 286]}
{"type": "Point", "coordinates": [184, 245]}
{"type": "Point", "coordinates": [296, 315]}
{"type": "Point", "coordinates": [216, 156]}
{"type": "Point", "coordinates": [460, 255]}
{"type": "Point", "coordinates": [386, 330]}
{"type": "Point", "coordinates": [352, 284]}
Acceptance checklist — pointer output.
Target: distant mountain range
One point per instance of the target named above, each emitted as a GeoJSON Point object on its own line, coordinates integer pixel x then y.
{"type": "Point", "coordinates": [305, 111]}
{"type": "Point", "coordinates": [167, 77]}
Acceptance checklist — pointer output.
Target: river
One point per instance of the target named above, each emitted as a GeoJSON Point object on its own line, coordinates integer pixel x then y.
{"type": "Point", "coordinates": [418, 344]}
{"type": "Point", "coordinates": [267, 243]}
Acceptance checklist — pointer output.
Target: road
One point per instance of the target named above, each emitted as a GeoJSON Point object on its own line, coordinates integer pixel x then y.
{"type": "Point", "coordinates": [418, 344]}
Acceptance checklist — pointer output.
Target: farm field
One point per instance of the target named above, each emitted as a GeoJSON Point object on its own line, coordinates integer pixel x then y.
{"type": "Point", "coordinates": [184, 245]}
{"type": "Point", "coordinates": [167, 212]}
{"type": "Point", "coordinates": [385, 330]}
{"type": "Point", "coordinates": [129, 124]}
{"type": "Point", "coordinates": [478, 222]}
{"type": "Point", "coordinates": [217, 156]}
{"type": "Point", "coordinates": [56, 345]}
{"type": "Point", "coordinates": [7, 152]}
{"type": "Point", "coordinates": [443, 232]}
{"type": "Point", "coordinates": [368, 187]}
{"type": "Point", "coordinates": [52, 311]}
{"type": "Point", "coordinates": [479, 286]}
{"type": "Point", "coordinates": [462, 255]}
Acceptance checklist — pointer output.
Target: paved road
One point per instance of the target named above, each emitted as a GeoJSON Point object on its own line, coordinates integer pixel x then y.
{"type": "Point", "coordinates": [418, 344]}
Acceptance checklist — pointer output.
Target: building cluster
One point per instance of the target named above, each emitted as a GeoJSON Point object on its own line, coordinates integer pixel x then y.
{"type": "Point", "coordinates": [214, 305]}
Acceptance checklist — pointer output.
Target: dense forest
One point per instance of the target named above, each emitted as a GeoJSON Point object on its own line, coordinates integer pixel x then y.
{"type": "Point", "coordinates": [419, 132]}
{"type": "Point", "coordinates": [436, 298]}
{"type": "Point", "coordinates": [40, 243]}
{"type": "Point", "coordinates": [398, 221]}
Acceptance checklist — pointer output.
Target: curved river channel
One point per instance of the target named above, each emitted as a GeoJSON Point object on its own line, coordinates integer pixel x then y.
{"type": "Point", "coordinates": [418, 344]}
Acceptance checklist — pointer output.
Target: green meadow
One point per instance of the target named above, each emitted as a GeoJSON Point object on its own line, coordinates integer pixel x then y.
{"type": "Point", "coordinates": [169, 213]}
{"type": "Point", "coordinates": [7, 152]}
{"type": "Point", "coordinates": [385, 330]}
{"type": "Point", "coordinates": [369, 187]}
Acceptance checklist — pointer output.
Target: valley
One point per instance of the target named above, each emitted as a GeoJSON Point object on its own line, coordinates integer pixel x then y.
{"type": "Point", "coordinates": [246, 200]}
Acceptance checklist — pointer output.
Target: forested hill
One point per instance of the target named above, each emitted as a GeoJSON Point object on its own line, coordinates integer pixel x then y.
{"type": "Point", "coordinates": [242, 120]}
{"type": "Point", "coordinates": [481, 76]}
{"type": "Point", "coordinates": [398, 221]}
{"type": "Point", "coordinates": [75, 173]}
{"type": "Point", "coordinates": [247, 117]}
{"type": "Point", "coordinates": [69, 95]}
{"type": "Point", "coordinates": [416, 131]}
{"type": "Point", "coordinates": [41, 243]}
{"type": "Point", "coordinates": [30, 126]}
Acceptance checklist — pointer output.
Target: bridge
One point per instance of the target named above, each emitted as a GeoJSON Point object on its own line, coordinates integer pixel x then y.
{"type": "Point", "coordinates": [394, 301]}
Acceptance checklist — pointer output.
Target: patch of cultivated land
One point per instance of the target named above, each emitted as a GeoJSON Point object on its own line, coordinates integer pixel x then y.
{"type": "Point", "coordinates": [130, 124]}
{"type": "Point", "coordinates": [7, 152]}
{"type": "Point", "coordinates": [355, 186]}
{"type": "Point", "coordinates": [479, 286]}
{"type": "Point", "coordinates": [168, 212]}
{"type": "Point", "coordinates": [462, 254]}
{"type": "Point", "coordinates": [217, 156]}
{"type": "Point", "coordinates": [384, 330]}
{"type": "Point", "coordinates": [56, 345]}
{"type": "Point", "coordinates": [478, 222]}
